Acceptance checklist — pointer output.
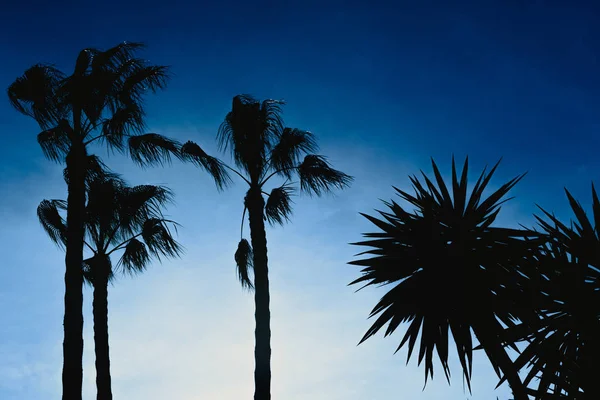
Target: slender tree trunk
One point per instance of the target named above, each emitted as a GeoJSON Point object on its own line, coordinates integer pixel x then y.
{"type": "Point", "coordinates": [72, 375]}
{"type": "Point", "coordinates": [100, 310]}
{"type": "Point", "coordinates": [484, 331]}
{"type": "Point", "coordinates": [262, 350]}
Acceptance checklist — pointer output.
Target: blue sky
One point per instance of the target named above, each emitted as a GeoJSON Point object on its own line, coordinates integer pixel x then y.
{"type": "Point", "coordinates": [383, 86]}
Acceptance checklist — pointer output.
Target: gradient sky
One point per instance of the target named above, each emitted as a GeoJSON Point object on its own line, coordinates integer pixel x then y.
{"type": "Point", "coordinates": [383, 86]}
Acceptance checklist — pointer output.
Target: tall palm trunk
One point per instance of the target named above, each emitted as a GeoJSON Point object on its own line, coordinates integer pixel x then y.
{"type": "Point", "coordinates": [483, 329]}
{"type": "Point", "coordinates": [72, 375]}
{"type": "Point", "coordinates": [262, 350]}
{"type": "Point", "coordinates": [100, 310]}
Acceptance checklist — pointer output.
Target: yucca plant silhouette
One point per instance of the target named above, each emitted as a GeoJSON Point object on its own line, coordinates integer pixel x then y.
{"type": "Point", "coordinates": [452, 271]}
{"type": "Point", "coordinates": [101, 101]}
{"type": "Point", "coordinates": [262, 148]}
{"type": "Point", "coordinates": [563, 346]}
{"type": "Point", "coordinates": [120, 221]}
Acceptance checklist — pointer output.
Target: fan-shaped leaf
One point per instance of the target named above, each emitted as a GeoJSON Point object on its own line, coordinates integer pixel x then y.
{"type": "Point", "coordinates": [317, 176]}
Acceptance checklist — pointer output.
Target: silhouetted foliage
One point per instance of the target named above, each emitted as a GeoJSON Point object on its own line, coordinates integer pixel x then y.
{"type": "Point", "coordinates": [118, 219]}
{"type": "Point", "coordinates": [100, 101]}
{"type": "Point", "coordinates": [562, 340]}
{"type": "Point", "coordinates": [261, 147]}
{"type": "Point", "coordinates": [452, 271]}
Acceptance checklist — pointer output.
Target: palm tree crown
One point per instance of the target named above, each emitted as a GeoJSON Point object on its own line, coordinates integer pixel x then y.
{"type": "Point", "coordinates": [102, 100]}
{"type": "Point", "coordinates": [262, 148]}
{"type": "Point", "coordinates": [449, 266]}
{"type": "Point", "coordinates": [119, 219]}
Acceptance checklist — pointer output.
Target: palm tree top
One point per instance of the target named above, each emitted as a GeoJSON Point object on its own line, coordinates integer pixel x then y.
{"type": "Point", "coordinates": [446, 261]}
{"type": "Point", "coordinates": [119, 218]}
{"type": "Point", "coordinates": [102, 100]}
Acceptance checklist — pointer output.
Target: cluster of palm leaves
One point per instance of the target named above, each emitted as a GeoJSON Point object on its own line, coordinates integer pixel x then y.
{"type": "Point", "coordinates": [452, 272]}
{"type": "Point", "coordinates": [101, 102]}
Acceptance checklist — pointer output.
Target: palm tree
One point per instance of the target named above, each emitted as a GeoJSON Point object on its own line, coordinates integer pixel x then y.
{"type": "Point", "coordinates": [263, 148]}
{"type": "Point", "coordinates": [563, 346]}
{"type": "Point", "coordinates": [118, 219]}
{"type": "Point", "coordinates": [452, 271]}
{"type": "Point", "coordinates": [101, 101]}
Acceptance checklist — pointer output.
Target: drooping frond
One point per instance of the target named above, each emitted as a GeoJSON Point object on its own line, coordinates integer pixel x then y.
{"type": "Point", "coordinates": [35, 94]}
{"type": "Point", "coordinates": [192, 152]}
{"type": "Point", "coordinates": [137, 205]}
{"type": "Point", "coordinates": [159, 239]}
{"type": "Point", "coordinates": [55, 142]}
{"type": "Point", "coordinates": [125, 121]}
{"type": "Point", "coordinates": [243, 261]}
{"type": "Point", "coordinates": [152, 148]}
{"type": "Point", "coordinates": [249, 131]}
{"type": "Point", "coordinates": [278, 209]}
{"type": "Point", "coordinates": [317, 176]}
{"type": "Point", "coordinates": [53, 223]}
{"type": "Point", "coordinates": [143, 78]}
{"type": "Point", "coordinates": [450, 269]}
{"type": "Point", "coordinates": [285, 155]}
{"type": "Point", "coordinates": [135, 258]}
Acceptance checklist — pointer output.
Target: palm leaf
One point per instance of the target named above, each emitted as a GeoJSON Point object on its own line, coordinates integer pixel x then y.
{"type": "Point", "coordinates": [52, 222]}
{"type": "Point", "coordinates": [192, 152]}
{"type": "Point", "coordinates": [243, 260]}
{"type": "Point", "coordinates": [159, 239]}
{"type": "Point", "coordinates": [152, 148]}
{"type": "Point", "coordinates": [285, 155]}
{"type": "Point", "coordinates": [35, 94]}
{"type": "Point", "coordinates": [55, 142]}
{"type": "Point", "coordinates": [317, 176]}
{"type": "Point", "coordinates": [135, 258]}
{"type": "Point", "coordinates": [278, 209]}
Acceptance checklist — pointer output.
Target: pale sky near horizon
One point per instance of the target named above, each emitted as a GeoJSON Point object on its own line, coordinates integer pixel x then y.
{"type": "Point", "coordinates": [384, 88]}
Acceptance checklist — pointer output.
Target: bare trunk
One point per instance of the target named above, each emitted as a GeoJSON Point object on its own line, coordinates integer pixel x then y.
{"type": "Point", "coordinates": [262, 350]}
{"type": "Point", "coordinates": [72, 374]}
{"type": "Point", "coordinates": [100, 310]}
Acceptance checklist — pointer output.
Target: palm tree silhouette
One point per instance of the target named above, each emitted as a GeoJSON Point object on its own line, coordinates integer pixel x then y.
{"type": "Point", "coordinates": [263, 148]}
{"type": "Point", "coordinates": [564, 289]}
{"type": "Point", "coordinates": [101, 101]}
{"type": "Point", "coordinates": [452, 271]}
{"type": "Point", "coordinates": [118, 219]}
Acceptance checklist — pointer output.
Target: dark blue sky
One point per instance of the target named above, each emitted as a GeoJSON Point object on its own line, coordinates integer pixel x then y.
{"type": "Point", "coordinates": [410, 79]}
{"type": "Point", "coordinates": [384, 85]}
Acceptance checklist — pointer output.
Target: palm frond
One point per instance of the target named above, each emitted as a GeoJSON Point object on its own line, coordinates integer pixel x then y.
{"type": "Point", "coordinates": [137, 205]}
{"type": "Point", "coordinates": [53, 223]}
{"type": "Point", "coordinates": [159, 239]}
{"type": "Point", "coordinates": [278, 209]}
{"type": "Point", "coordinates": [125, 121]}
{"type": "Point", "coordinates": [152, 148]}
{"type": "Point", "coordinates": [35, 94]}
{"type": "Point", "coordinates": [135, 258]}
{"type": "Point", "coordinates": [192, 152]}
{"type": "Point", "coordinates": [317, 176]}
{"type": "Point", "coordinates": [55, 142]}
{"type": "Point", "coordinates": [292, 143]}
{"type": "Point", "coordinates": [243, 260]}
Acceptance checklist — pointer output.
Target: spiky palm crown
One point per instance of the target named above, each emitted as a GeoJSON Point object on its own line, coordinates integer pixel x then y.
{"type": "Point", "coordinates": [254, 133]}
{"type": "Point", "coordinates": [563, 348]}
{"type": "Point", "coordinates": [104, 94]}
{"type": "Point", "coordinates": [449, 265]}
{"type": "Point", "coordinates": [119, 219]}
